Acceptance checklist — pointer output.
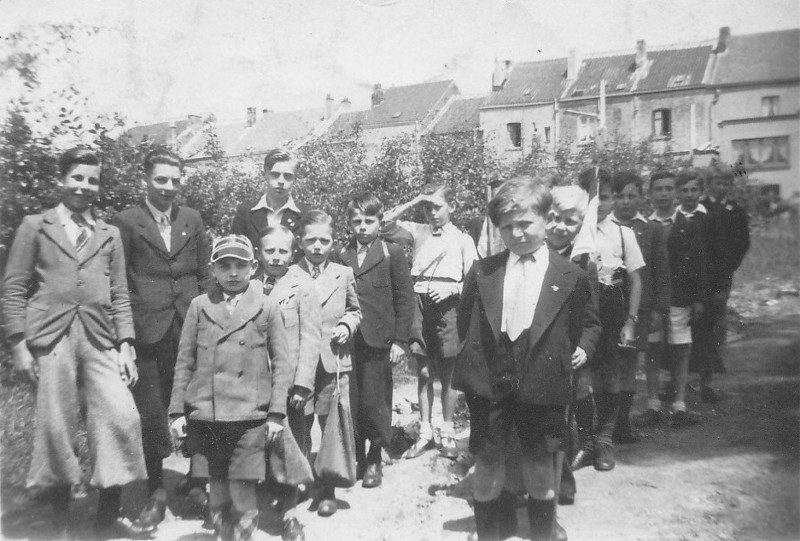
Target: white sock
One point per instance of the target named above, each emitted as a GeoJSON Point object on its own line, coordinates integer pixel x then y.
{"type": "Point", "coordinates": [425, 431]}
{"type": "Point", "coordinates": [446, 428]}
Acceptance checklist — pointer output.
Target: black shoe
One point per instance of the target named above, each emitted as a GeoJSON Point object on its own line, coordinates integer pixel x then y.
{"type": "Point", "coordinates": [449, 448]}
{"type": "Point", "coordinates": [650, 417]}
{"type": "Point", "coordinates": [709, 396]}
{"type": "Point", "coordinates": [120, 528]}
{"type": "Point", "coordinates": [361, 467]}
{"type": "Point", "coordinates": [604, 457]}
{"type": "Point", "coordinates": [327, 507]}
{"type": "Point", "coordinates": [684, 418]}
{"type": "Point", "coordinates": [153, 513]}
{"type": "Point", "coordinates": [372, 476]}
{"type": "Point", "coordinates": [293, 531]}
{"type": "Point", "coordinates": [566, 497]}
{"type": "Point", "coordinates": [559, 533]}
{"type": "Point", "coordinates": [625, 435]}
{"type": "Point", "coordinates": [584, 457]}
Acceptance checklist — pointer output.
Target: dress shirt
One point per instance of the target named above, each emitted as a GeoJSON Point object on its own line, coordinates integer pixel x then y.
{"type": "Point", "coordinates": [610, 236]}
{"type": "Point", "coordinates": [361, 253]}
{"type": "Point", "coordinates": [521, 288]}
{"type": "Point", "coordinates": [163, 221]}
{"type": "Point", "coordinates": [70, 227]}
{"type": "Point", "coordinates": [275, 217]}
{"type": "Point", "coordinates": [231, 300]}
{"type": "Point", "coordinates": [700, 208]}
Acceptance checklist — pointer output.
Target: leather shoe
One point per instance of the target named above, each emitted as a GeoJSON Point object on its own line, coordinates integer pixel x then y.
{"type": "Point", "coordinates": [559, 533]}
{"type": "Point", "coordinates": [153, 513]}
{"type": "Point", "coordinates": [327, 507]}
{"type": "Point", "coordinates": [650, 417]}
{"type": "Point", "coordinates": [418, 449]}
{"type": "Point", "coordinates": [120, 528]}
{"type": "Point", "coordinates": [183, 486]}
{"type": "Point", "coordinates": [584, 457]}
{"type": "Point", "coordinates": [361, 467]}
{"type": "Point", "coordinates": [709, 396]}
{"type": "Point", "coordinates": [293, 531]}
{"type": "Point", "coordinates": [684, 418]}
{"type": "Point", "coordinates": [449, 448]}
{"type": "Point", "coordinates": [372, 476]}
{"type": "Point", "coordinates": [566, 497]}
{"type": "Point", "coordinates": [604, 457]}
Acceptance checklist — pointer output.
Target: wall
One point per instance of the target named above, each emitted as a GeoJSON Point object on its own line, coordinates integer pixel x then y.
{"type": "Point", "coordinates": [493, 122]}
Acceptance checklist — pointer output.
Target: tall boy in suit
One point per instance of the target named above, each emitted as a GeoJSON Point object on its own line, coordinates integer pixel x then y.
{"type": "Point", "coordinates": [68, 319]}
{"type": "Point", "coordinates": [520, 321]}
{"type": "Point", "coordinates": [386, 296]}
{"type": "Point", "coordinates": [167, 253]}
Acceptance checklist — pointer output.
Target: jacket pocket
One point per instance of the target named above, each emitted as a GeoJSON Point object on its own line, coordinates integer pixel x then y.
{"type": "Point", "coordinates": [290, 318]}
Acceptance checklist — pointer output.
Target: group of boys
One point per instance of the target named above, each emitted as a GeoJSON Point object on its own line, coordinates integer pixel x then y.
{"type": "Point", "coordinates": [161, 335]}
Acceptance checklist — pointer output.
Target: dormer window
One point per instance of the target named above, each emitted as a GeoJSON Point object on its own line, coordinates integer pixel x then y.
{"type": "Point", "coordinates": [679, 80]}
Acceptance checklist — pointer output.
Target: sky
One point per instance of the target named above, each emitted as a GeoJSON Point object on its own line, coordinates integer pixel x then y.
{"type": "Point", "coordinates": [156, 60]}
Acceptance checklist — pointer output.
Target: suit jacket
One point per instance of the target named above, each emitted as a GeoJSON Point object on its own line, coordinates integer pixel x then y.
{"type": "Point", "coordinates": [385, 292]}
{"type": "Point", "coordinates": [336, 291]}
{"type": "Point", "coordinates": [47, 284]}
{"type": "Point", "coordinates": [253, 223]}
{"type": "Point", "coordinates": [297, 297]}
{"type": "Point", "coordinates": [592, 328]}
{"type": "Point", "coordinates": [727, 241]}
{"type": "Point", "coordinates": [656, 290]}
{"type": "Point", "coordinates": [686, 247]}
{"type": "Point", "coordinates": [556, 330]}
{"type": "Point", "coordinates": [162, 284]}
{"type": "Point", "coordinates": [232, 367]}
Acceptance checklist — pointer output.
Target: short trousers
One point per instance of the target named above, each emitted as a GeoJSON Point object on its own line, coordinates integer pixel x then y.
{"type": "Point", "coordinates": [492, 425]}
{"type": "Point", "coordinates": [324, 387]}
{"type": "Point", "coordinates": [642, 330]}
{"type": "Point", "coordinates": [234, 450]}
{"type": "Point", "coordinates": [679, 331]}
{"type": "Point", "coordinates": [439, 329]}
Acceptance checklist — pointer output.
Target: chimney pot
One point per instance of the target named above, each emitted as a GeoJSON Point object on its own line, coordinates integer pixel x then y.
{"type": "Point", "coordinates": [641, 54]}
{"type": "Point", "coordinates": [328, 106]}
{"type": "Point", "coordinates": [502, 69]}
{"type": "Point", "coordinates": [377, 95]}
{"type": "Point", "coordinates": [722, 40]}
{"type": "Point", "coordinates": [251, 116]}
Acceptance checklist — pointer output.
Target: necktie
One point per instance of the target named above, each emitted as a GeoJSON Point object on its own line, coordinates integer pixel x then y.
{"type": "Point", "coordinates": [518, 319]}
{"type": "Point", "coordinates": [362, 254]}
{"type": "Point", "coordinates": [83, 232]}
{"type": "Point", "coordinates": [437, 231]}
{"type": "Point", "coordinates": [315, 272]}
{"type": "Point", "coordinates": [269, 285]}
{"type": "Point", "coordinates": [164, 229]}
{"type": "Point", "coordinates": [231, 302]}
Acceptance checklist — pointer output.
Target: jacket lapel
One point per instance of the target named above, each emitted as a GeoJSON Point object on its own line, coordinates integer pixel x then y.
{"type": "Point", "coordinates": [53, 228]}
{"type": "Point", "coordinates": [490, 285]}
{"type": "Point", "coordinates": [178, 236]}
{"type": "Point", "coordinates": [558, 283]}
{"type": "Point", "coordinates": [99, 237]}
{"type": "Point", "coordinates": [247, 308]}
{"type": "Point", "coordinates": [373, 257]}
{"type": "Point", "coordinates": [349, 256]}
{"type": "Point", "coordinates": [327, 283]}
{"type": "Point", "coordinates": [284, 289]}
{"type": "Point", "coordinates": [148, 230]}
{"type": "Point", "coordinates": [216, 310]}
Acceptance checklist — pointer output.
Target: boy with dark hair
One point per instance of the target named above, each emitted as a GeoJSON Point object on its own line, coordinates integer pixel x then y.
{"type": "Point", "coordinates": [231, 382]}
{"type": "Point", "coordinates": [68, 320]}
{"type": "Point", "coordinates": [442, 257]}
{"type": "Point", "coordinates": [687, 264]}
{"type": "Point", "coordinates": [386, 297]}
{"type": "Point", "coordinates": [521, 318]}
{"type": "Point", "coordinates": [277, 205]}
{"type": "Point", "coordinates": [654, 303]}
{"type": "Point", "coordinates": [166, 250]}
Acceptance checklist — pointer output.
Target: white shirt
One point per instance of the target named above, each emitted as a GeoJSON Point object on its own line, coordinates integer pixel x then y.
{"type": "Point", "coordinates": [361, 252]}
{"type": "Point", "coordinates": [521, 289]}
{"type": "Point", "coordinates": [163, 221]}
{"type": "Point", "coordinates": [610, 236]}
{"type": "Point", "coordinates": [231, 300]}
{"type": "Point", "coordinates": [275, 217]}
{"type": "Point", "coordinates": [70, 227]}
{"type": "Point", "coordinates": [667, 220]}
{"type": "Point", "coordinates": [449, 255]}
{"type": "Point", "coordinates": [700, 208]}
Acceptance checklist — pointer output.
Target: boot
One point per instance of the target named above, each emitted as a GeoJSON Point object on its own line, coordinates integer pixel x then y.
{"type": "Point", "coordinates": [506, 514]}
{"type": "Point", "coordinates": [584, 419]}
{"type": "Point", "coordinates": [622, 431]}
{"type": "Point", "coordinates": [541, 514]}
{"type": "Point", "coordinates": [486, 524]}
{"type": "Point", "coordinates": [607, 413]}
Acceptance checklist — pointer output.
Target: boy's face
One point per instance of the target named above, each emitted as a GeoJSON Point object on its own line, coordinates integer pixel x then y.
{"type": "Point", "coordinates": [522, 232]}
{"type": "Point", "coordinates": [163, 184]}
{"type": "Point", "coordinates": [562, 227]}
{"type": "Point", "coordinates": [720, 187]}
{"type": "Point", "coordinates": [280, 179]}
{"type": "Point", "coordinates": [437, 210]}
{"type": "Point", "coordinates": [275, 254]}
{"type": "Point", "coordinates": [605, 202]}
{"type": "Point", "coordinates": [316, 241]}
{"type": "Point", "coordinates": [365, 228]}
{"type": "Point", "coordinates": [232, 274]}
{"type": "Point", "coordinates": [662, 194]}
{"type": "Point", "coordinates": [80, 186]}
{"type": "Point", "coordinates": [689, 194]}
{"type": "Point", "coordinates": [626, 202]}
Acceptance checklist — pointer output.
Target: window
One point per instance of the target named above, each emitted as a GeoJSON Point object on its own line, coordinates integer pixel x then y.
{"type": "Point", "coordinates": [662, 123]}
{"type": "Point", "coordinates": [514, 134]}
{"type": "Point", "coordinates": [586, 129]}
{"type": "Point", "coordinates": [547, 134]}
{"type": "Point", "coordinates": [770, 105]}
{"type": "Point", "coordinates": [762, 153]}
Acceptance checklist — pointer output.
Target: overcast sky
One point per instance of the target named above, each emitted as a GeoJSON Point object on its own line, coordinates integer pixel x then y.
{"type": "Point", "coordinates": [163, 60]}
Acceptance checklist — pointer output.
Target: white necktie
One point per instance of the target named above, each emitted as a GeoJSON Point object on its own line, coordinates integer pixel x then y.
{"type": "Point", "coordinates": [166, 230]}
{"type": "Point", "coordinates": [517, 319]}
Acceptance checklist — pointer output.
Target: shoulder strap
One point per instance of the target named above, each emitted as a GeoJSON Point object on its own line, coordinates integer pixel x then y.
{"type": "Point", "coordinates": [622, 238]}
{"type": "Point", "coordinates": [385, 249]}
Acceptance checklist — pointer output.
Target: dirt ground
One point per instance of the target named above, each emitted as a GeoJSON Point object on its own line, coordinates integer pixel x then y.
{"type": "Point", "coordinates": [733, 477]}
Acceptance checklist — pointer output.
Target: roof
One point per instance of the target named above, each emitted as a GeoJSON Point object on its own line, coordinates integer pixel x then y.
{"type": "Point", "coordinates": [271, 130]}
{"type": "Point", "coordinates": [158, 133]}
{"type": "Point", "coordinates": [462, 115]}
{"type": "Point", "coordinates": [532, 82]}
{"type": "Point", "coordinates": [675, 68]}
{"type": "Point", "coordinates": [408, 104]}
{"type": "Point", "coordinates": [345, 125]}
{"type": "Point", "coordinates": [752, 58]}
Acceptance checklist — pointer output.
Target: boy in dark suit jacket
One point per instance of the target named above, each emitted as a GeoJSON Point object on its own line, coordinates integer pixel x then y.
{"type": "Point", "coordinates": [520, 321]}
{"type": "Point", "coordinates": [386, 296]}
{"type": "Point", "coordinates": [277, 205]}
{"type": "Point", "coordinates": [167, 253]}
{"type": "Point", "coordinates": [68, 319]}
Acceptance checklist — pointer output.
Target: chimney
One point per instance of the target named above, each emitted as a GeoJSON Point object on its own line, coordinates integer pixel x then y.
{"type": "Point", "coordinates": [573, 64]}
{"type": "Point", "coordinates": [377, 95]}
{"type": "Point", "coordinates": [502, 69]}
{"type": "Point", "coordinates": [173, 136]}
{"type": "Point", "coordinates": [251, 116]}
{"type": "Point", "coordinates": [345, 105]}
{"type": "Point", "coordinates": [722, 40]}
{"type": "Point", "coordinates": [195, 120]}
{"type": "Point", "coordinates": [328, 106]}
{"type": "Point", "coordinates": [641, 55]}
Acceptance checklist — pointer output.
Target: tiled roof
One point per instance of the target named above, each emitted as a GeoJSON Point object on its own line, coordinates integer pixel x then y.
{"type": "Point", "coordinates": [532, 82]}
{"type": "Point", "coordinates": [675, 68]}
{"type": "Point", "coordinates": [616, 70]}
{"type": "Point", "coordinates": [767, 56]}
{"type": "Point", "coordinates": [407, 104]}
{"type": "Point", "coordinates": [462, 115]}
{"type": "Point", "coordinates": [157, 133]}
{"type": "Point", "coordinates": [344, 125]}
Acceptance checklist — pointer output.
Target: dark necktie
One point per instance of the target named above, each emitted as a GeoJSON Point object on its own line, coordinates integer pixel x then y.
{"type": "Point", "coordinates": [315, 272]}
{"type": "Point", "coordinates": [269, 285]}
{"type": "Point", "coordinates": [83, 233]}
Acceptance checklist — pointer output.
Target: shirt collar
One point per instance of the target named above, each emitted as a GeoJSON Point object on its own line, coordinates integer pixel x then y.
{"type": "Point", "coordinates": [541, 255]}
{"type": "Point", "coordinates": [157, 214]}
{"type": "Point", "coordinates": [311, 265]}
{"type": "Point", "coordinates": [638, 216]}
{"type": "Point", "coordinates": [700, 208]}
{"type": "Point", "coordinates": [65, 215]}
{"type": "Point", "coordinates": [290, 204]}
{"type": "Point", "coordinates": [671, 218]}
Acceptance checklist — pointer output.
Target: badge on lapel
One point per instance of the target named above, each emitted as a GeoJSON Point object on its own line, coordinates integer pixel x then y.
{"type": "Point", "coordinates": [555, 288]}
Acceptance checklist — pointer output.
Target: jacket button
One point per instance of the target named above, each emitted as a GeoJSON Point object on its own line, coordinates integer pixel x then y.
{"type": "Point", "coordinates": [476, 344]}
{"type": "Point", "coordinates": [241, 342]}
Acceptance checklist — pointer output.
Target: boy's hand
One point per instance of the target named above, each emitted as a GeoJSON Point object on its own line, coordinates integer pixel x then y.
{"type": "Point", "coordinates": [274, 427]}
{"type": "Point", "coordinates": [340, 334]}
{"type": "Point", "coordinates": [579, 358]}
{"type": "Point", "coordinates": [127, 364]}
{"type": "Point", "coordinates": [396, 353]}
{"type": "Point", "coordinates": [177, 430]}
{"type": "Point", "coordinates": [24, 363]}
{"type": "Point", "coordinates": [300, 396]}
{"type": "Point", "coordinates": [656, 321]}
{"type": "Point", "coordinates": [627, 334]}
{"type": "Point", "coordinates": [439, 292]}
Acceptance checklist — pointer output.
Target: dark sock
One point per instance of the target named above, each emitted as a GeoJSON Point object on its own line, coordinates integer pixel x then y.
{"type": "Point", "coordinates": [374, 456]}
{"type": "Point", "coordinates": [624, 417]}
{"type": "Point", "coordinates": [486, 524]}
{"type": "Point", "coordinates": [541, 514]}
{"type": "Point", "coordinates": [584, 419]}
{"type": "Point", "coordinates": [361, 455]}
{"type": "Point", "coordinates": [108, 505]}
{"type": "Point", "coordinates": [506, 514]}
{"type": "Point", "coordinates": [607, 412]}
{"type": "Point", "coordinates": [155, 473]}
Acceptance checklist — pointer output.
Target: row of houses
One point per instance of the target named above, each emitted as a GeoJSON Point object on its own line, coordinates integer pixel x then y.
{"type": "Point", "coordinates": [736, 98]}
